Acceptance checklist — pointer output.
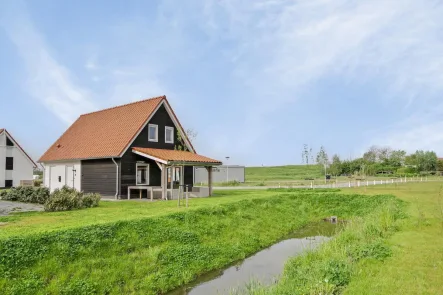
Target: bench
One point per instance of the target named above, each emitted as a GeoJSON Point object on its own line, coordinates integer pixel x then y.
{"type": "Point", "coordinates": [140, 188]}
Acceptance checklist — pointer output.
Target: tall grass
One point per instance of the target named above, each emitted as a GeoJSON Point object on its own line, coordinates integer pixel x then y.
{"type": "Point", "coordinates": [154, 255]}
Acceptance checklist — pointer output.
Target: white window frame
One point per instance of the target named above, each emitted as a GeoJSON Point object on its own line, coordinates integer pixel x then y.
{"type": "Point", "coordinates": [136, 173]}
{"type": "Point", "coordinates": [166, 132]}
{"type": "Point", "coordinates": [156, 132]}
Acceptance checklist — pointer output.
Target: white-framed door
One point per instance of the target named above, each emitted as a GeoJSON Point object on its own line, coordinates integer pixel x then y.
{"type": "Point", "coordinates": [70, 176]}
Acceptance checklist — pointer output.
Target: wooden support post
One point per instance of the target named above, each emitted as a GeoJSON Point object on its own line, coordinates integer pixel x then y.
{"type": "Point", "coordinates": [140, 193]}
{"type": "Point", "coordinates": [152, 194]}
{"type": "Point", "coordinates": [209, 168]}
{"type": "Point", "coordinates": [163, 181]}
{"type": "Point", "coordinates": [187, 196]}
{"type": "Point", "coordinates": [172, 182]}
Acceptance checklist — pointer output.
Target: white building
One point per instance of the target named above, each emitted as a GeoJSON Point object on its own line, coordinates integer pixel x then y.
{"type": "Point", "coordinates": [15, 164]}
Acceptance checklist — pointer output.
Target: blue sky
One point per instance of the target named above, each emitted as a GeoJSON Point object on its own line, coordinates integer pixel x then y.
{"type": "Point", "coordinates": [256, 79]}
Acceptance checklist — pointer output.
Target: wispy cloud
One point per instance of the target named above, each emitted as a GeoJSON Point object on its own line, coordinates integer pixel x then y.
{"type": "Point", "coordinates": [267, 55]}
{"type": "Point", "coordinates": [48, 81]}
{"type": "Point", "coordinates": [283, 48]}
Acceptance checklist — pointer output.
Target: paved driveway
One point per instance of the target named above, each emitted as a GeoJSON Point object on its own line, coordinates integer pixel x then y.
{"type": "Point", "coordinates": [7, 207]}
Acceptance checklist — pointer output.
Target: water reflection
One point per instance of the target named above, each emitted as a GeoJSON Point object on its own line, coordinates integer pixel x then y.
{"type": "Point", "coordinates": [263, 267]}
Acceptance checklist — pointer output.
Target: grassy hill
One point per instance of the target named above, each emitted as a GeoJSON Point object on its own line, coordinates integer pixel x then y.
{"type": "Point", "coordinates": [290, 172]}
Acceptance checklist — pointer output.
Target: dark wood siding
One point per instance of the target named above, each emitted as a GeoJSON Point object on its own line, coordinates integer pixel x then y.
{"type": "Point", "coordinates": [99, 176]}
{"type": "Point", "coordinates": [129, 159]}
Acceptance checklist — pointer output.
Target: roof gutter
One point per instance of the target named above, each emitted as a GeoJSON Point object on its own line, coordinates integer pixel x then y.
{"type": "Point", "coordinates": [116, 178]}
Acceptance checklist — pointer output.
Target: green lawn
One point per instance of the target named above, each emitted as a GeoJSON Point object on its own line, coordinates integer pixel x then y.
{"type": "Point", "coordinates": [417, 264]}
{"type": "Point", "coordinates": [156, 252]}
{"type": "Point", "coordinates": [110, 211]}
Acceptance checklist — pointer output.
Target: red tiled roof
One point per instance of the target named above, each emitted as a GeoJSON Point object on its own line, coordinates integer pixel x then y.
{"type": "Point", "coordinates": [176, 156]}
{"type": "Point", "coordinates": [103, 134]}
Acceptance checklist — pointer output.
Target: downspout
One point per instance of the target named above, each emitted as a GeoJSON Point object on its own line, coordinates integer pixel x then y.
{"type": "Point", "coordinates": [116, 178]}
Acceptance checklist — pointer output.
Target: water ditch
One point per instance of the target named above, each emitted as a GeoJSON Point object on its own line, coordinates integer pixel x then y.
{"type": "Point", "coordinates": [264, 266]}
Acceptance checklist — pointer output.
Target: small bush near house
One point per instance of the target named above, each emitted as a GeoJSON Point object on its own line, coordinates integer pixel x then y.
{"type": "Point", "coordinates": [26, 194]}
{"type": "Point", "coordinates": [38, 182]}
{"type": "Point", "coordinates": [67, 198]}
{"type": "Point", "coordinates": [63, 199]}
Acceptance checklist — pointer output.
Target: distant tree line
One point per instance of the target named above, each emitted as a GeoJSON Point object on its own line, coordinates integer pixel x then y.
{"type": "Point", "coordinates": [377, 160]}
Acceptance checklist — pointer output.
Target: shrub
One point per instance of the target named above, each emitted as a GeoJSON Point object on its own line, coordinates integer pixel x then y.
{"type": "Point", "coordinates": [67, 198]}
{"type": "Point", "coordinates": [38, 182]}
{"type": "Point", "coordinates": [91, 200]}
{"type": "Point", "coordinates": [26, 194]}
{"type": "Point", "coordinates": [63, 201]}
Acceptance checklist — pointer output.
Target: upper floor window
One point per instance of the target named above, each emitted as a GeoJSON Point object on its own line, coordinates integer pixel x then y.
{"type": "Point", "coordinates": [169, 134]}
{"type": "Point", "coordinates": [153, 132]}
{"type": "Point", "coordinates": [9, 163]}
{"type": "Point", "coordinates": [9, 142]}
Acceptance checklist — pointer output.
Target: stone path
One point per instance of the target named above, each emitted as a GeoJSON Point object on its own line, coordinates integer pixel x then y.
{"type": "Point", "coordinates": [7, 207]}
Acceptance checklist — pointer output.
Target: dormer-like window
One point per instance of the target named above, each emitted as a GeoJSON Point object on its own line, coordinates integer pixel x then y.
{"type": "Point", "coordinates": [153, 132]}
{"type": "Point", "coordinates": [169, 134]}
{"type": "Point", "coordinates": [9, 142]}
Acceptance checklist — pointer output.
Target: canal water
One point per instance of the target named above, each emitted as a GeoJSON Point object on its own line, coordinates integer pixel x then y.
{"type": "Point", "coordinates": [264, 266]}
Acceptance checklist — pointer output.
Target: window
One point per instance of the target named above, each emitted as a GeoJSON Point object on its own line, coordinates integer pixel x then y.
{"type": "Point", "coordinates": [9, 142]}
{"type": "Point", "coordinates": [8, 183]}
{"type": "Point", "coordinates": [9, 163]}
{"type": "Point", "coordinates": [153, 132]}
{"type": "Point", "coordinates": [169, 134]}
{"type": "Point", "coordinates": [142, 174]}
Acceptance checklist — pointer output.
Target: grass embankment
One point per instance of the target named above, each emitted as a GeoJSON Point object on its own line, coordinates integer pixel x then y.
{"type": "Point", "coordinates": [110, 211]}
{"type": "Point", "coordinates": [369, 258]}
{"type": "Point", "coordinates": [329, 269]}
{"type": "Point", "coordinates": [155, 254]}
{"type": "Point", "coordinates": [290, 172]}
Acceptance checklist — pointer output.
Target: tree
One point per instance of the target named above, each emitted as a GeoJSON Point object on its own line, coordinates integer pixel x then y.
{"type": "Point", "coordinates": [411, 160]}
{"type": "Point", "coordinates": [426, 160]}
{"type": "Point", "coordinates": [397, 158]}
{"type": "Point", "coordinates": [440, 165]}
{"type": "Point", "coordinates": [336, 165]}
{"type": "Point", "coordinates": [191, 134]}
{"type": "Point", "coordinates": [322, 157]}
{"type": "Point", "coordinates": [371, 156]}
{"type": "Point", "coordinates": [307, 154]}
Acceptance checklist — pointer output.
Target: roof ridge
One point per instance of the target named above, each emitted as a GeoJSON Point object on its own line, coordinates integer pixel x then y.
{"type": "Point", "coordinates": [124, 105]}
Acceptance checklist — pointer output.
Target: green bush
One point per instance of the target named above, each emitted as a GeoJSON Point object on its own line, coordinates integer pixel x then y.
{"type": "Point", "coordinates": [62, 199]}
{"type": "Point", "coordinates": [67, 198]}
{"type": "Point", "coordinates": [91, 200]}
{"type": "Point", "coordinates": [26, 194]}
{"type": "Point", "coordinates": [38, 182]}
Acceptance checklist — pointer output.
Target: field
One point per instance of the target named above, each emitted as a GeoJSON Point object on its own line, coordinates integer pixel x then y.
{"type": "Point", "coordinates": [139, 247]}
{"type": "Point", "coordinates": [295, 175]}
{"type": "Point", "coordinates": [416, 266]}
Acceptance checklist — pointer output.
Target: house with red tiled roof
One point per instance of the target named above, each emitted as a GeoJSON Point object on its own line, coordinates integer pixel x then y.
{"type": "Point", "coordinates": [15, 164]}
{"type": "Point", "coordinates": [134, 150]}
